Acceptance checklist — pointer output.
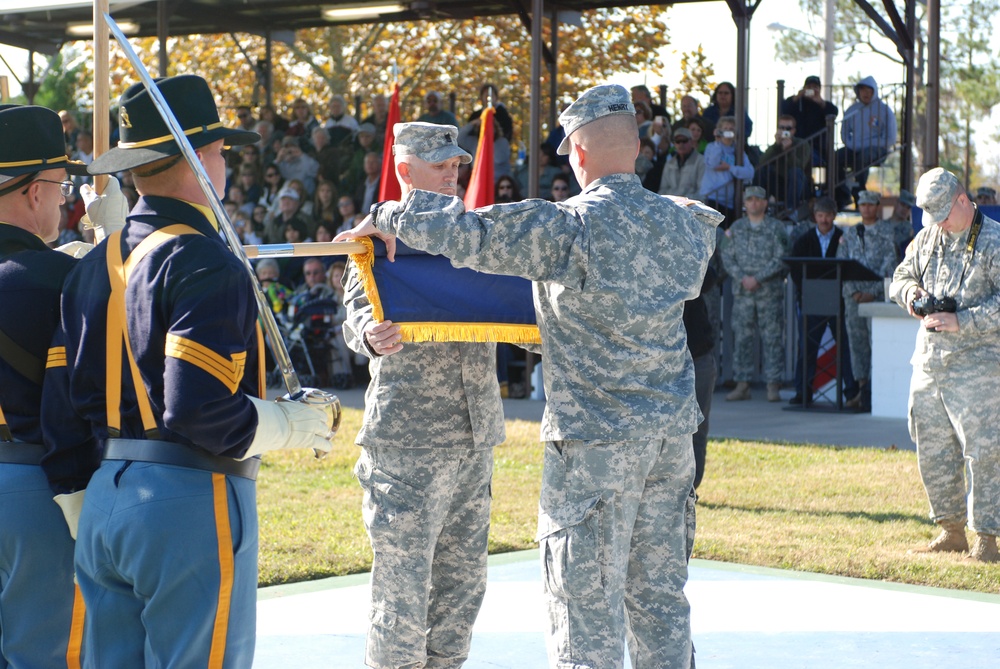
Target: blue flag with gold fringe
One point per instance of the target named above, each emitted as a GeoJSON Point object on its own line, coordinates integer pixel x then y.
{"type": "Point", "coordinates": [431, 300]}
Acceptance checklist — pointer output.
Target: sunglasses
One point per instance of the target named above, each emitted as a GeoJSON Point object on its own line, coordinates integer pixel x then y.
{"type": "Point", "coordinates": [681, 140]}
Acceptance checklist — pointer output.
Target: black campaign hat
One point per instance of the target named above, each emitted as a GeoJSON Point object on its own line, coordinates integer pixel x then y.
{"type": "Point", "coordinates": [31, 140]}
{"type": "Point", "coordinates": [144, 135]}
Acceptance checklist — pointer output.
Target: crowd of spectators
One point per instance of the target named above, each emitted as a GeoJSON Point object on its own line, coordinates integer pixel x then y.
{"type": "Point", "coordinates": [310, 177]}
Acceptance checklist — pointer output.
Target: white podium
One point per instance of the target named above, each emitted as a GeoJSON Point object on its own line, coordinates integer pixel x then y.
{"type": "Point", "coordinates": [894, 334]}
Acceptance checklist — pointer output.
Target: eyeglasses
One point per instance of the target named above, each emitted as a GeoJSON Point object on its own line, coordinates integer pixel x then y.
{"type": "Point", "coordinates": [681, 140]}
{"type": "Point", "coordinates": [66, 188]}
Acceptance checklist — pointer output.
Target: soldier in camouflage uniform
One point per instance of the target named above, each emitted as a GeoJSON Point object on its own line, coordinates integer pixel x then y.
{"type": "Point", "coordinates": [751, 252]}
{"type": "Point", "coordinates": [432, 417]}
{"type": "Point", "coordinates": [872, 244]}
{"type": "Point", "coordinates": [955, 389]}
{"type": "Point", "coordinates": [612, 268]}
{"type": "Point", "coordinates": [902, 225]}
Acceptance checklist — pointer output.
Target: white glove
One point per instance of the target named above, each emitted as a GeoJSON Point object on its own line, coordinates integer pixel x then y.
{"type": "Point", "coordinates": [75, 249]}
{"type": "Point", "coordinates": [282, 425]}
{"type": "Point", "coordinates": [105, 212]}
{"type": "Point", "coordinates": [71, 505]}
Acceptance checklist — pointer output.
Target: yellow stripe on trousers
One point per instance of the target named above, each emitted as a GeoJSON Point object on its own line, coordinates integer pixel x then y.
{"type": "Point", "coordinates": [218, 653]}
{"type": "Point", "coordinates": [76, 630]}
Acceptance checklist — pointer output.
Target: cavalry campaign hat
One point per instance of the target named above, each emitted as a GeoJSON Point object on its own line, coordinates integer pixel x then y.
{"type": "Point", "coordinates": [31, 140]}
{"type": "Point", "coordinates": [593, 103]}
{"type": "Point", "coordinates": [428, 141]}
{"type": "Point", "coordinates": [144, 136]}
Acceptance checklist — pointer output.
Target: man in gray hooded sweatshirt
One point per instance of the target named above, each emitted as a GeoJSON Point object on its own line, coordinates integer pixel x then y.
{"type": "Point", "coordinates": [868, 132]}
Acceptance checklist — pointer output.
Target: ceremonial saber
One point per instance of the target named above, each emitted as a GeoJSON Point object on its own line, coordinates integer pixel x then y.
{"type": "Point", "coordinates": [303, 249]}
{"type": "Point", "coordinates": [295, 391]}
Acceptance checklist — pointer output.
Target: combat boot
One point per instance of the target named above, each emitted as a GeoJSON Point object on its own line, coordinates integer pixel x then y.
{"type": "Point", "coordinates": [984, 549]}
{"type": "Point", "coordinates": [951, 539]}
{"type": "Point", "coordinates": [741, 392]}
{"type": "Point", "coordinates": [773, 394]}
{"type": "Point", "coordinates": [856, 401]}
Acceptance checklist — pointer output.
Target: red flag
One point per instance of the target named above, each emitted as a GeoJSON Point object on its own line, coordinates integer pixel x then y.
{"type": "Point", "coordinates": [389, 185]}
{"type": "Point", "coordinates": [480, 190]}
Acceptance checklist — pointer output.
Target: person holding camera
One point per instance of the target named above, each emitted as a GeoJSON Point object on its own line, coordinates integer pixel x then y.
{"type": "Point", "coordinates": [950, 279]}
{"type": "Point", "coordinates": [810, 110]}
{"type": "Point", "coordinates": [721, 170]}
{"type": "Point", "coordinates": [785, 166]}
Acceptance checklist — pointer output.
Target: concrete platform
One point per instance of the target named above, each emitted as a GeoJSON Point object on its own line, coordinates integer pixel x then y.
{"type": "Point", "coordinates": [742, 618]}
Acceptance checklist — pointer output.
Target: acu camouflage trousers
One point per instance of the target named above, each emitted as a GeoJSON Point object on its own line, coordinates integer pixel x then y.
{"type": "Point", "coordinates": [762, 309]}
{"type": "Point", "coordinates": [952, 419]}
{"type": "Point", "coordinates": [427, 512]}
{"type": "Point", "coordinates": [615, 526]}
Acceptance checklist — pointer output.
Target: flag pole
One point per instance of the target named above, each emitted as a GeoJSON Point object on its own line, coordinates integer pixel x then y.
{"type": "Point", "coordinates": [102, 89]}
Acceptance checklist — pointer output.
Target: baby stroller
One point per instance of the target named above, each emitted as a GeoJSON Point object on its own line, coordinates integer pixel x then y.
{"type": "Point", "coordinates": [313, 332]}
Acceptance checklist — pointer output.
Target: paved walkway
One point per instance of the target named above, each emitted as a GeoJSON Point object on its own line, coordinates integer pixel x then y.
{"type": "Point", "coordinates": [742, 617]}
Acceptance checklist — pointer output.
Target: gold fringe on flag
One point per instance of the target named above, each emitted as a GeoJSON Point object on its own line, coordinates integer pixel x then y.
{"type": "Point", "coordinates": [513, 333]}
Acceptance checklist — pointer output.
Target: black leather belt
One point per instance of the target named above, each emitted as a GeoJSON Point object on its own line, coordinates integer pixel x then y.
{"type": "Point", "coordinates": [18, 453]}
{"type": "Point", "coordinates": [169, 453]}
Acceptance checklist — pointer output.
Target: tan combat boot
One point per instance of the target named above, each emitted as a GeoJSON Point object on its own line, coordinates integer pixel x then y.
{"type": "Point", "coordinates": [773, 394]}
{"type": "Point", "coordinates": [855, 401]}
{"type": "Point", "coordinates": [951, 539]}
{"type": "Point", "coordinates": [984, 549]}
{"type": "Point", "coordinates": [741, 392]}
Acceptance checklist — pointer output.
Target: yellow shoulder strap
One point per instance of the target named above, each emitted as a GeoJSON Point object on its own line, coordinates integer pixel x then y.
{"type": "Point", "coordinates": [118, 274]}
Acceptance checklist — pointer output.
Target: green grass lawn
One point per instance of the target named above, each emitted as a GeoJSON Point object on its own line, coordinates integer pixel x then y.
{"type": "Point", "coordinates": [850, 512]}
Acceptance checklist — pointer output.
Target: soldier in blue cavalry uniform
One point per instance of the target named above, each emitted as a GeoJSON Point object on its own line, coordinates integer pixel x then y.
{"type": "Point", "coordinates": [36, 546]}
{"type": "Point", "coordinates": [158, 365]}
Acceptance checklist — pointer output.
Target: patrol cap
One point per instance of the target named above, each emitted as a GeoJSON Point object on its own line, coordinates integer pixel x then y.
{"type": "Point", "coordinates": [985, 191]}
{"type": "Point", "coordinates": [594, 103]}
{"type": "Point", "coordinates": [31, 141]}
{"type": "Point", "coordinates": [869, 197]}
{"type": "Point", "coordinates": [428, 141]}
{"type": "Point", "coordinates": [906, 197]}
{"type": "Point", "coordinates": [936, 193]}
{"type": "Point", "coordinates": [144, 136]}
{"type": "Point", "coordinates": [755, 191]}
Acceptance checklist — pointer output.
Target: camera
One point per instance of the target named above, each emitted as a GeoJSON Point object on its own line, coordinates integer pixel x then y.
{"type": "Point", "coordinates": [809, 92]}
{"type": "Point", "coordinates": [927, 304]}
{"type": "Point", "coordinates": [728, 134]}
{"type": "Point", "coordinates": [785, 134]}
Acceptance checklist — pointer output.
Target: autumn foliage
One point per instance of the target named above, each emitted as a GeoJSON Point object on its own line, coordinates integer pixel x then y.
{"type": "Point", "coordinates": [447, 56]}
